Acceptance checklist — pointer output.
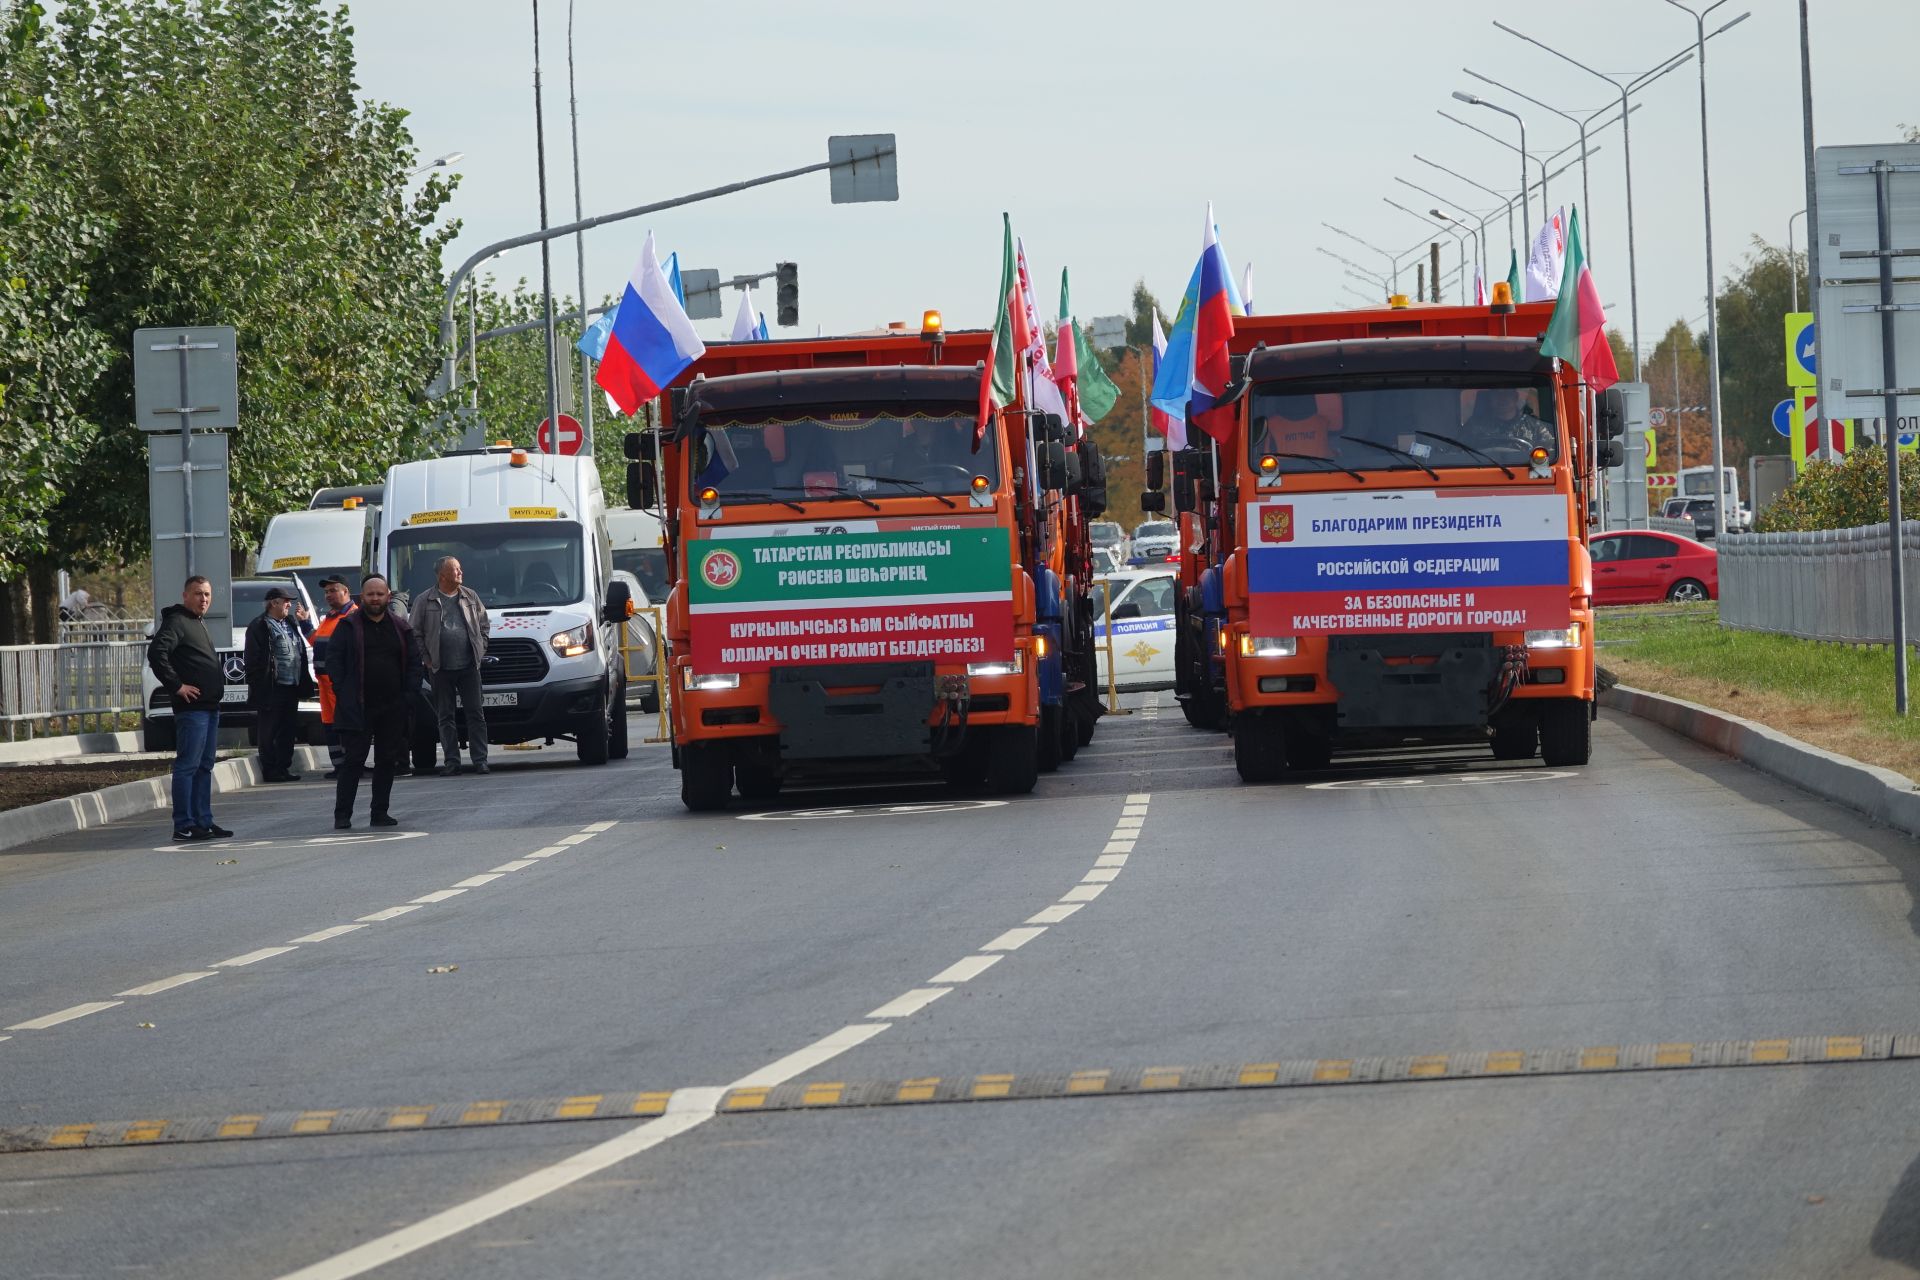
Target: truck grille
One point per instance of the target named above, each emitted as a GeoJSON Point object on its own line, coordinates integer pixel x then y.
{"type": "Point", "coordinates": [513, 661]}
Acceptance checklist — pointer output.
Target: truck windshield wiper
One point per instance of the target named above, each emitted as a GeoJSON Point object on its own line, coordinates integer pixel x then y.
{"type": "Point", "coordinates": [1464, 447]}
{"type": "Point", "coordinates": [760, 494]}
{"type": "Point", "coordinates": [837, 491]}
{"type": "Point", "coordinates": [1396, 452]}
{"type": "Point", "coordinates": [916, 486]}
{"type": "Point", "coordinates": [1314, 457]}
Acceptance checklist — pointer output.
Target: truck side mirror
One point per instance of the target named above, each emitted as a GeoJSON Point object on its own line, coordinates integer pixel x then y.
{"type": "Point", "coordinates": [1157, 469]}
{"type": "Point", "coordinates": [1092, 489]}
{"type": "Point", "coordinates": [633, 446]}
{"type": "Point", "coordinates": [1053, 465]}
{"type": "Point", "coordinates": [643, 485]}
{"type": "Point", "coordinates": [1052, 429]}
{"type": "Point", "coordinates": [1612, 453]}
{"type": "Point", "coordinates": [1612, 414]}
{"type": "Point", "coordinates": [1153, 501]}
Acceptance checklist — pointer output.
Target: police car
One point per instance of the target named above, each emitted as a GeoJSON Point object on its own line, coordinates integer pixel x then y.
{"type": "Point", "coordinates": [1142, 613]}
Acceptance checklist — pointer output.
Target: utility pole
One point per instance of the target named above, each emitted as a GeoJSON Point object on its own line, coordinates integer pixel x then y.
{"type": "Point", "coordinates": [1433, 268]}
{"type": "Point", "coordinates": [546, 246]}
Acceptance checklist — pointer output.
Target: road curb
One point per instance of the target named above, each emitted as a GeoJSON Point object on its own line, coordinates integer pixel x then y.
{"type": "Point", "coordinates": [130, 799]}
{"type": "Point", "coordinates": [1881, 794]}
{"type": "Point", "coordinates": [63, 746]}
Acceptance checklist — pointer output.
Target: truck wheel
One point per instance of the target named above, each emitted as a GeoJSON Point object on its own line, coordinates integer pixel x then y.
{"type": "Point", "coordinates": [1517, 739]}
{"type": "Point", "coordinates": [617, 724]}
{"type": "Point", "coordinates": [1069, 733]}
{"type": "Point", "coordinates": [157, 733]}
{"type": "Point", "coordinates": [592, 734]}
{"type": "Point", "coordinates": [1084, 733]}
{"type": "Point", "coordinates": [1566, 732]}
{"type": "Point", "coordinates": [1049, 746]}
{"type": "Point", "coordinates": [966, 769]}
{"type": "Point", "coordinates": [426, 742]}
{"type": "Point", "coordinates": [1305, 750]}
{"type": "Point", "coordinates": [706, 776]}
{"type": "Point", "coordinates": [1259, 748]}
{"type": "Point", "coordinates": [650, 699]}
{"type": "Point", "coordinates": [756, 781]}
{"type": "Point", "coordinates": [1013, 761]}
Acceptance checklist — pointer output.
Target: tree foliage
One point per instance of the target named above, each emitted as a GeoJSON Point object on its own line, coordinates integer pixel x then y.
{"type": "Point", "coordinates": [1754, 302]}
{"type": "Point", "coordinates": [1842, 495]}
{"type": "Point", "coordinates": [240, 180]}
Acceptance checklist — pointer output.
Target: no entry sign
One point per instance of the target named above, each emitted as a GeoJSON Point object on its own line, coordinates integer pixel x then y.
{"type": "Point", "coordinates": [571, 436]}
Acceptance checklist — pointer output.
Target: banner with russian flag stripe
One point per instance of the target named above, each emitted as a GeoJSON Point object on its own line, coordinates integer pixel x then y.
{"type": "Point", "coordinates": [1407, 561]}
{"type": "Point", "coordinates": [652, 338]}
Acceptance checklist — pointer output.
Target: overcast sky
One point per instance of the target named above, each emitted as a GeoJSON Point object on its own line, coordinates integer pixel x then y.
{"type": "Point", "coordinates": [1105, 130]}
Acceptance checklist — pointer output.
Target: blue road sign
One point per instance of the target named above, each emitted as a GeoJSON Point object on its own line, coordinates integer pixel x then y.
{"type": "Point", "coordinates": [1783, 418]}
{"type": "Point", "coordinates": [1806, 353]}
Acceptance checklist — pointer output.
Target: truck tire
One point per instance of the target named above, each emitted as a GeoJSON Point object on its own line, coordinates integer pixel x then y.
{"type": "Point", "coordinates": [617, 724]}
{"type": "Point", "coordinates": [1259, 748]}
{"type": "Point", "coordinates": [425, 744]}
{"type": "Point", "coordinates": [1566, 732]}
{"type": "Point", "coordinates": [706, 776]}
{"type": "Point", "coordinates": [1306, 750]}
{"type": "Point", "coordinates": [157, 733]}
{"type": "Point", "coordinates": [966, 769]}
{"type": "Point", "coordinates": [1084, 732]}
{"type": "Point", "coordinates": [1069, 733]}
{"type": "Point", "coordinates": [593, 733]}
{"type": "Point", "coordinates": [1013, 761]}
{"type": "Point", "coordinates": [1049, 739]}
{"type": "Point", "coordinates": [1517, 739]}
{"type": "Point", "coordinates": [756, 781]}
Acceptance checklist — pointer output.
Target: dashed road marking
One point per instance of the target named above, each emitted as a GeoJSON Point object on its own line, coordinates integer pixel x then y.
{"type": "Point", "coordinates": [438, 895]}
{"type": "Point", "coordinates": [905, 1006]}
{"type": "Point", "coordinates": [390, 913]}
{"type": "Point", "coordinates": [65, 1015]}
{"type": "Point", "coordinates": [518, 864]}
{"type": "Point", "coordinates": [1014, 939]}
{"type": "Point", "coordinates": [474, 882]}
{"type": "Point", "coordinates": [1100, 875]}
{"type": "Point", "coordinates": [966, 970]}
{"type": "Point", "coordinates": [1083, 893]}
{"type": "Point", "coordinates": [1055, 914]}
{"type": "Point", "coordinates": [549, 851]}
{"type": "Point", "coordinates": [328, 935]}
{"type": "Point", "coordinates": [252, 957]}
{"type": "Point", "coordinates": [168, 984]}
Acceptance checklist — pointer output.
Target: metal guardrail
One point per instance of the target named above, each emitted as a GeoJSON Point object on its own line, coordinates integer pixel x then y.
{"type": "Point", "coordinates": [1661, 524]}
{"type": "Point", "coordinates": [70, 683]}
{"type": "Point", "coordinates": [1828, 584]}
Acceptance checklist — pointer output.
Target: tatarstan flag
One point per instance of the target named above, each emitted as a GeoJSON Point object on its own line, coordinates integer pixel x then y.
{"type": "Point", "coordinates": [1010, 338]}
{"type": "Point", "coordinates": [1577, 333]}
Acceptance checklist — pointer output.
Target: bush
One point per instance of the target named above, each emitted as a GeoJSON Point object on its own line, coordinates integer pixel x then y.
{"type": "Point", "coordinates": [1843, 495]}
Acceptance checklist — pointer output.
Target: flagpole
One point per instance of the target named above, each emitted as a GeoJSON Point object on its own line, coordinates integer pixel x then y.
{"type": "Point", "coordinates": [546, 246]}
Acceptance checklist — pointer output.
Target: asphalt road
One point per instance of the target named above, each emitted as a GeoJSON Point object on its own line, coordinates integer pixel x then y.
{"type": "Point", "coordinates": [556, 932]}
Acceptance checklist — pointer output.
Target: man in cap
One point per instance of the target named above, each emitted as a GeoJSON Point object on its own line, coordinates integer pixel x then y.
{"type": "Point", "coordinates": [339, 605]}
{"type": "Point", "coordinates": [279, 675]}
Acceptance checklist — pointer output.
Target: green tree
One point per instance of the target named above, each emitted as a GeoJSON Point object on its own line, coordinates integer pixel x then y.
{"type": "Point", "coordinates": [243, 182]}
{"type": "Point", "coordinates": [1675, 372]}
{"type": "Point", "coordinates": [1753, 305]}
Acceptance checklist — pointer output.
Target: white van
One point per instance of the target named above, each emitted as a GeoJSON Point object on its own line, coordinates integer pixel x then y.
{"type": "Point", "coordinates": [530, 532]}
{"type": "Point", "coordinates": [327, 542]}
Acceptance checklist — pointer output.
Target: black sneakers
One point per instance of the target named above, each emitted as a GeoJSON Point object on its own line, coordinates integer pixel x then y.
{"type": "Point", "coordinates": [482, 768]}
{"type": "Point", "coordinates": [383, 820]}
{"type": "Point", "coordinates": [451, 770]}
{"type": "Point", "coordinates": [343, 824]}
{"type": "Point", "coordinates": [186, 835]}
{"type": "Point", "coordinates": [217, 832]}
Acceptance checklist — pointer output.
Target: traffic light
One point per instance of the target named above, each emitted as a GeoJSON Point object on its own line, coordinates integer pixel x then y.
{"type": "Point", "coordinates": [786, 293]}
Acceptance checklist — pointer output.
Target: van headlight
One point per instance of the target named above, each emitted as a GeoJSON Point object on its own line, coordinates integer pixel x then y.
{"type": "Point", "coordinates": [711, 681]}
{"type": "Point", "coordinates": [1012, 668]}
{"type": "Point", "coordinates": [1269, 646]}
{"type": "Point", "coordinates": [1567, 637]}
{"type": "Point", "coordinates": [572, 642]}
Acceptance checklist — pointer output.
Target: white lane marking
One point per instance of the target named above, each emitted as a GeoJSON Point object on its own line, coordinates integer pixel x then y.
{"type": "Point", "coordinates": [686, 1109]}
{"type": "Point", "coordinates": [168, 984]}
{"type": "Point", "coordinates": [1139, 797]}
{"type": "Point", "coordinates": [327, 935]}
{"type": "Point", "coordinates": [438, 895]}
{"type": "Point", "coordinates": [474, 882]}
{"type": "Point", "coordinates": [252, 957]}
{"type": "Point", "coordinates": [516, 865]}
{"type": "Point", "coordinates": [1101, 875]}
{"type": "Point", "coordinates": [966, 970]}
{"type": "Point", "coordinates": [65, 1015]}
{"type": "Point", "coordinates": [1054, 914]}
{"type": "Point", "coordinates": [579, 838]}
{"type": "Point", "coordinates": [826, 1047]}
{"type": "Point", "coordinates": [912, 1002]}
{"type": "Point", "coordinates": [1119, 846]}
{"type": "Point", "coordinates": [389, 913]}
{"type": "Point", "coordinates": [1443, 780]}
{"type": "Point", "coordinates": [872, 810]}
{"type": "Point", "coordinates": [1083, 893]}
{"type": "Point", "coordinates": [600, 826]}
{"type": "Point", "coordinates": [1125, 823]}
{"type": "Point", "coordinates": [1111, 860]}
{"type": "Point", "coordinates": [1133, 811]}
{"type": "Point", "coordinates": [1014, 939]}
{"type": "Point", "coordinates": [549, 851]}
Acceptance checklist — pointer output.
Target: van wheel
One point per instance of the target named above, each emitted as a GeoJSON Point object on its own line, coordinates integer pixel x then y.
{"type": "Point", "coordinates": [617, 724]}
{"type": "Point", "coordinates": [592, 736]}
{"type": "Point", "coordinates": [1013, 760]}
{"type": "Point", "coordinates": [1566, 732]}
{"type": "Point", "coordinates": [706, 776]}
{"type": "Point", "coordinates": [1259, 748]}
{"type": "Point", "coordinates": [1049, 745]}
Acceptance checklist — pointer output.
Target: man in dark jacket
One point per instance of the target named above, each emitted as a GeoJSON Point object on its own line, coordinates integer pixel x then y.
{"type": "Point", "coordinates": [187, 665]}
{"type": "Point", "coordinates": [278, 677]}
{"type": "Point", "coordinates": [373, 662]}
{"type": "Point", "coordinates": [451, 621]}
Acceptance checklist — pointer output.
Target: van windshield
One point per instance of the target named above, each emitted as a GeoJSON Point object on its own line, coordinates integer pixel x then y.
{"type": "Point", "coordinates": [828, 455]}
{"type": "Point", "coordinates": [519, 564]}
{"type": "Point", "coordinates": [1403, 422]}
{"type": "Point", "coordinates": [649, 565]}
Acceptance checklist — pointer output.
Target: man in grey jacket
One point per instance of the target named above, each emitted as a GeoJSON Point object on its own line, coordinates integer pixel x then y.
{"type": "Point", "coordinates": [451, 622]}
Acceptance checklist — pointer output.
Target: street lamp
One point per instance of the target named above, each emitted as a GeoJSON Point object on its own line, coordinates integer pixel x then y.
{"type": "Point", "coordinates": [1459, 242]}
{"type": "Point", "coordinates": [1506, 201]}
{"type": "Point", "coordinates": [1392, 261]}
{"type": "Point", "coordinates": [1356, 270]}
{"type": "Point", "coordinates": [1526, 232]}
{"type": "Point", "coordinates": [1578, 122]}
{"type": "Point", "coordinates": [1444, 216]}
{"type": "Point", "coordinates": [1479, 221]}
{"type": "Point", "coordinates": [439, 162]}
{"type": "Point", "coordinates": [1713, 301]}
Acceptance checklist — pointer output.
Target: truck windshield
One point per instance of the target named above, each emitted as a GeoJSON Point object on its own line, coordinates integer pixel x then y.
{"type": "Point", "coordinates": [836, 454]}
{"type": "Point", "coordinates": [1436, 421]}
{"type": "Point", "coordinates": [518, 564]}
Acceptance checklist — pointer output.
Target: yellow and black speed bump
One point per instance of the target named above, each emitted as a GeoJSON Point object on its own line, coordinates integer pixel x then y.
{"type": "Point", "coordinates": [1091, 1083]}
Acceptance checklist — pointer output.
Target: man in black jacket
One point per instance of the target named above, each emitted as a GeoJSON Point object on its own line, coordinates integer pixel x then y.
{"type": "Point", "coordinates": [185, 662]}
{"type": "Point", "coordinates": [278, 677]}
{"type": "Point", "coordinates": [373, 662]}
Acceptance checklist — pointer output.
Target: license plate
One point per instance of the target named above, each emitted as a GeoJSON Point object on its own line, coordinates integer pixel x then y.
{"type": "Point", "coordinates": [234, 693]}
{"type": "Point", "coordinates": [499, 699]}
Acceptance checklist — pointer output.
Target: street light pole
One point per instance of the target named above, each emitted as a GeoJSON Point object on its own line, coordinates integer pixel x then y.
{"type": "Point", "coordinates": [1459, 239]}
{"type": "Point", "coordinates": [1579, 123]}
{"type": "Point", "coordinates": [546, 246]}
{"type": "Point", "coordinates": [1526, 232]}
{"type": "Point", "coordinates": [1393, 262]}
{"type": "Point", "coordinates": [1506, 200]}
{"type": "Point", "coordinates": [1480, 267]}
{"type": "Point", "coordinates": [579, 250]}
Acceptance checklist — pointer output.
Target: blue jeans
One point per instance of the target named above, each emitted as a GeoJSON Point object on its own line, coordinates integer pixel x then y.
{"type": "Point", "coordinates": [196, 738]}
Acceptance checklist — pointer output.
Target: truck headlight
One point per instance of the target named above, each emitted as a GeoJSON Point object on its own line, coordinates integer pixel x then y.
{"type": "Point", "coordinates": [711, 681]}
{"type": "Point", "coordinates": [1567, 637]}
{"type": "Point", "coordinates": [1012, 668]}
{"type": "Point", "coordinates": [1269, 646]}
{"type": "Point", "coordinates": [573, 642]}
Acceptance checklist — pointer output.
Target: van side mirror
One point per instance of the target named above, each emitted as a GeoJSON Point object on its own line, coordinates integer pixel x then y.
{"type": "Point", "coordinates": [1612, 415]}
{"type": "Point", "coordinates": [1153, 501]}
{"type": "Point", "coordinates": [619, 606]}
{"type": "Point", "coordinates": [643, 485]}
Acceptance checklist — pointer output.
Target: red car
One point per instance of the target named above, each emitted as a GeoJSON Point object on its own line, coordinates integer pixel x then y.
{"type": "Point", "coordinates": [1643, 566]}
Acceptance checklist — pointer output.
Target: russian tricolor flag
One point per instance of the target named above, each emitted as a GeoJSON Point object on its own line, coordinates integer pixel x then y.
{"type": "Point", "coordinates": [652, 338]}
{"type": "Point", "coordinates": [1212, 327]}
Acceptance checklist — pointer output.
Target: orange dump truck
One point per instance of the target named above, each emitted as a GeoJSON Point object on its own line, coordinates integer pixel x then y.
{"type": "Point", "coordinates": [1395, 549]}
